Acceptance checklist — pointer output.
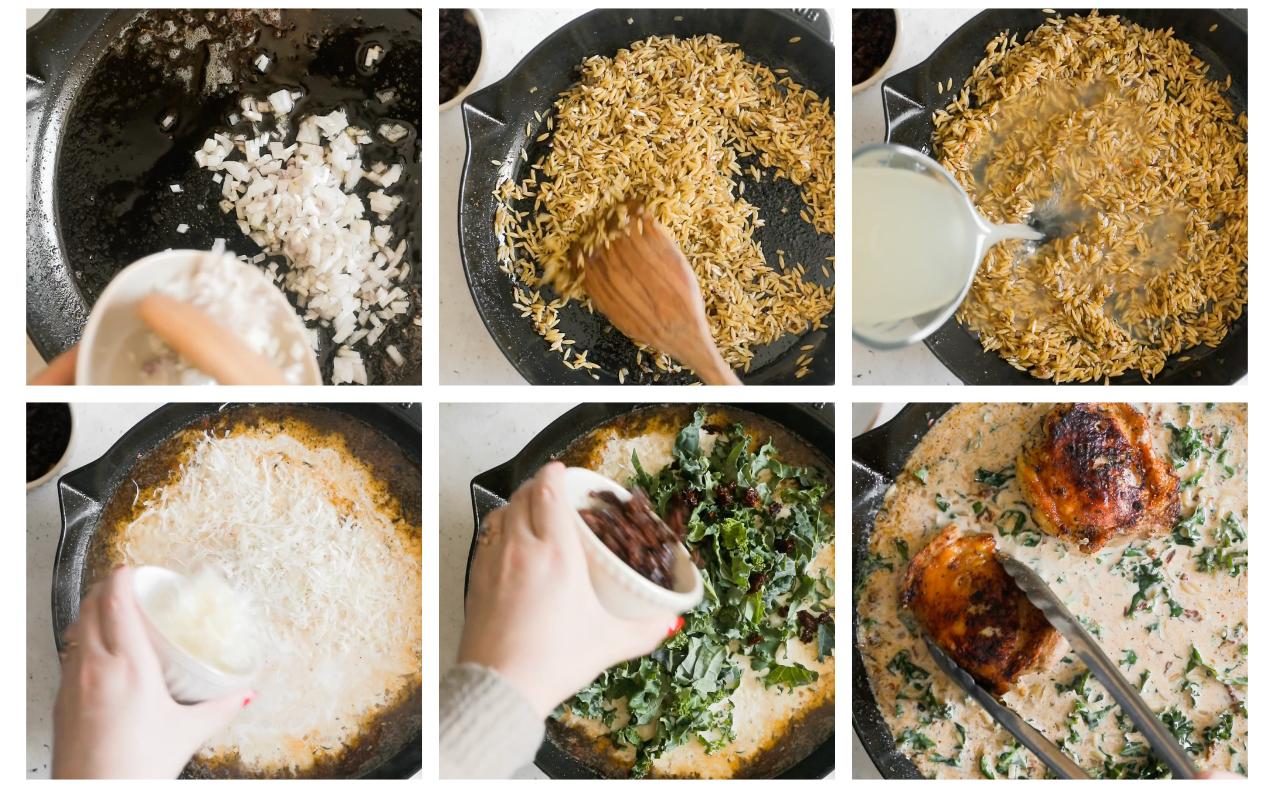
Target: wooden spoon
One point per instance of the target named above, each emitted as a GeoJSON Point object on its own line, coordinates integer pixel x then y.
{"type": "Point", "coordinates": [644, 285]}
{"type": "Point", "coordinates": [205, 343]}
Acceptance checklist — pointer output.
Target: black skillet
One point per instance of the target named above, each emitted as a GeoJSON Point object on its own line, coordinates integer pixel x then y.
{"type": "Point", "coordinates": [911, 97]}
{"type": "Point", "coordinates": [100, 165]}
{"type": "Point", "coordinates": [495, 120]}
{"type": "Point", "coordinates": [86, 491]}
{"type": "Point", "coordinates": [491, 489]}
{"type": "Point", "coordinates": [879, 456]}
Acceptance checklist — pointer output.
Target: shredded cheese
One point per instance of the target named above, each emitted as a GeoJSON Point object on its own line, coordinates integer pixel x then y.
{"type": "Point", "coordinates": [294, 526]}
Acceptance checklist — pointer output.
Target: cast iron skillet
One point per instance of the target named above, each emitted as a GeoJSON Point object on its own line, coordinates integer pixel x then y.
{"type": "Point", "coordinates": [495, 120]}
{"type": "Point", "coordinates": [911, 97]}
{"type": "Point", "coordinates": [879, 456]}
{"type": "Point", "coordinates": [100, 165]}
{"type": "Point", "coordinates": [491, 489]}
{"type": "Point", "coordinates": [86, 491]}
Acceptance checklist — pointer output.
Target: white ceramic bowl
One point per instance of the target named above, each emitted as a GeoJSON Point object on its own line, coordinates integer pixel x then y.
{"type": "Point", "coordinates": [620, 588]}
{"type": "Point", "coordinates": [189, 679]}
{"type": "Point", "coordinates": [106, 349]}
{"type": "Point", "coordinates": [889, 61]}
{"type": "Point", "coordinates": [57, 466]}
{"type": "Point", "coordinates": [475, 16]}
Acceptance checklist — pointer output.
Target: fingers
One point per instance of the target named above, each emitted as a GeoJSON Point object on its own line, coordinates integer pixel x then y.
{"type": "Point", "coordinates": [551, 517]}
{"type": "Point", "coordinates": [490, 529]}
{"type": "Point", "coordinates": [205, 719]}
{"type": "Point", "coordinates": [123, 630]}
{"type": "Point", "coordinates": [516, 522]}
{"type": "Point", "coordinates": [638, 638]}
{"type": "Point", "coordinates": [60, 371]}
{"type": "Point", "coordinates": [86, 632]}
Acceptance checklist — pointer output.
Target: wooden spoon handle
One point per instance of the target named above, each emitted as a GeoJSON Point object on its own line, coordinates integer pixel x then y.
{"type": "Point", "coordinates": [205, 343]}
{"type": "Point", "coordinates": [706, 361]}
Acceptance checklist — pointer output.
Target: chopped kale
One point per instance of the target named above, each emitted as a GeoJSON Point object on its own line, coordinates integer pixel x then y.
{"type": "Point", "coordinates": [754, 524]}
{"type": "Point", "coordinates": [993, 478]}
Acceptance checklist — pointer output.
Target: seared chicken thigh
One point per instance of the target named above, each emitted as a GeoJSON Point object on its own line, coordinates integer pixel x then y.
{"type": "Point", "coordinates": [969, 606]}
{"type": "Point", "coordinates": [1090, 475]}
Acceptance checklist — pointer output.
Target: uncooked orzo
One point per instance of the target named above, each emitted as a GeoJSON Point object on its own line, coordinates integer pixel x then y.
{"type": "Point", "coordinates": [673, 122]}
{"type": "Point", "coordinates": [1114, 139]}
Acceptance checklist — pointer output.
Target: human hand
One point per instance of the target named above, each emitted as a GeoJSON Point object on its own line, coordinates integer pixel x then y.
{"type": "Point", "coordinates": [114, 717]}
{"type": "Point", "coordinates": [59, 372]}
{"type": "Point", "coordinates": [531, 614]}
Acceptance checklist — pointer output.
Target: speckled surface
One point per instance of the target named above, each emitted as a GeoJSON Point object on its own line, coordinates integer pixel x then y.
{"type": "Point", "coordinates": [466, 352]}
{"type": "Point", "coordinates": [94, 428]}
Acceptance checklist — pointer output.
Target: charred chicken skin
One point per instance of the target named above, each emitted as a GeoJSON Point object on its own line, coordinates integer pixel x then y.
{"type": "Point", "coordinates": [968, 605]}
{"type": "Point", "coordinates": [1090, 476]}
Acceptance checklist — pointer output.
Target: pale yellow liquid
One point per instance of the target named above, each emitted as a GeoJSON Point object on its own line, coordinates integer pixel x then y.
{"type": "Point", "coordinates": [914, 243]}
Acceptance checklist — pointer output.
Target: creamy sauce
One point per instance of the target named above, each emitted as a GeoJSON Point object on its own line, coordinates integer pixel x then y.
{"type": "Point", "coordinates": [1213, 616]}
{"type": "Point", "coordinates": [761, 716]}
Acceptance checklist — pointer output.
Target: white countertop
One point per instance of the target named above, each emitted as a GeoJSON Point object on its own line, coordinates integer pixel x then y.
{"type": "Point", "coordinates": [922, 31]}
{"type": "Point", "coordinates": [467, 354]}
{"type": "Point", "coordinates": [94, 428]}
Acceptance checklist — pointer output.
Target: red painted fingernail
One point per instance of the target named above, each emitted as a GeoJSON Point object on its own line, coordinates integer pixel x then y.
{"type": "Point", "coordinates": [676, 626]}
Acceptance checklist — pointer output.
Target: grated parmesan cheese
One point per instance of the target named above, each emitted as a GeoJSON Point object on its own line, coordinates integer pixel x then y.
{"type": "Point", "coordinates": [207, 619]}
{"type": "Point", "coordinates": [296, 527]}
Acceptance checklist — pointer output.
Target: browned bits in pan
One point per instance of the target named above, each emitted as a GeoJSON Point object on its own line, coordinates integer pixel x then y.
{"type": "Point", "coordinates": [631, 530]}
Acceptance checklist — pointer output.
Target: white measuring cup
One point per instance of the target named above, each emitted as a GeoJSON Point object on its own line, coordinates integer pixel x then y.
{"type": "Point", "coordinates": [917, 242]}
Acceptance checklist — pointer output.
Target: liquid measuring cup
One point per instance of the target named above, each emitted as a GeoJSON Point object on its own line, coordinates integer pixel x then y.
{"type": "Point", "coordinates": [917, 242]}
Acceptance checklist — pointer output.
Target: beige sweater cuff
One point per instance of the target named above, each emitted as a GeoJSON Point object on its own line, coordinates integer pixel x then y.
{"type": "Point", "coordinates": [486, 729]}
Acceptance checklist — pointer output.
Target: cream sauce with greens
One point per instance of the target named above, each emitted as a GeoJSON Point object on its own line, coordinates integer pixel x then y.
{"type": "Point", "coordinates": [1171, 611]}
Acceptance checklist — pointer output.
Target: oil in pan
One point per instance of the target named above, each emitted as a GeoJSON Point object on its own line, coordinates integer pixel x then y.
{"type": "Point", "coordinates": [174, 77]}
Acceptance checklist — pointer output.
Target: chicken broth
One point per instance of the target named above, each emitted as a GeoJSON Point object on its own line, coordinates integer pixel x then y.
{"type": "Point", "coordinates": [1170, 610]}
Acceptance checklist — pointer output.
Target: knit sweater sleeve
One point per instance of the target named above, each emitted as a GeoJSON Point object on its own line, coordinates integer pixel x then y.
{"type": "Point", "coordinates": [485, 727]}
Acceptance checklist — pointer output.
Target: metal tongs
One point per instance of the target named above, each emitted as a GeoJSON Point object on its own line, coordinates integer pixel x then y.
{"type": "Point", "coordinates": [1143, 719]}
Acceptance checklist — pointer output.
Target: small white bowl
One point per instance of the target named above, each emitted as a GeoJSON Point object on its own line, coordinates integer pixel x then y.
{"type": "Point", "coordinates": [115, 332]}
{"type": "Point", "coordinates": [889, 61]}
{"type": "Point", "coordinates": [475, 16]}
{"type": "Point", "coordinates": [189, 679]}
{"type": "Point", "coordinates": [620, 588]}
{"type": "Point", "coordinates": [61, 463]}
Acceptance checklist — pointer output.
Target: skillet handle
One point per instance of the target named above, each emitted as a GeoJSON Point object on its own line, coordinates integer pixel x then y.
{"type": "Point", "coordinates": [489, 491]}
{"type": "Point", "coordinates": [907, 120]}
{"type": "Point", "coordinates": [816, 18]}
